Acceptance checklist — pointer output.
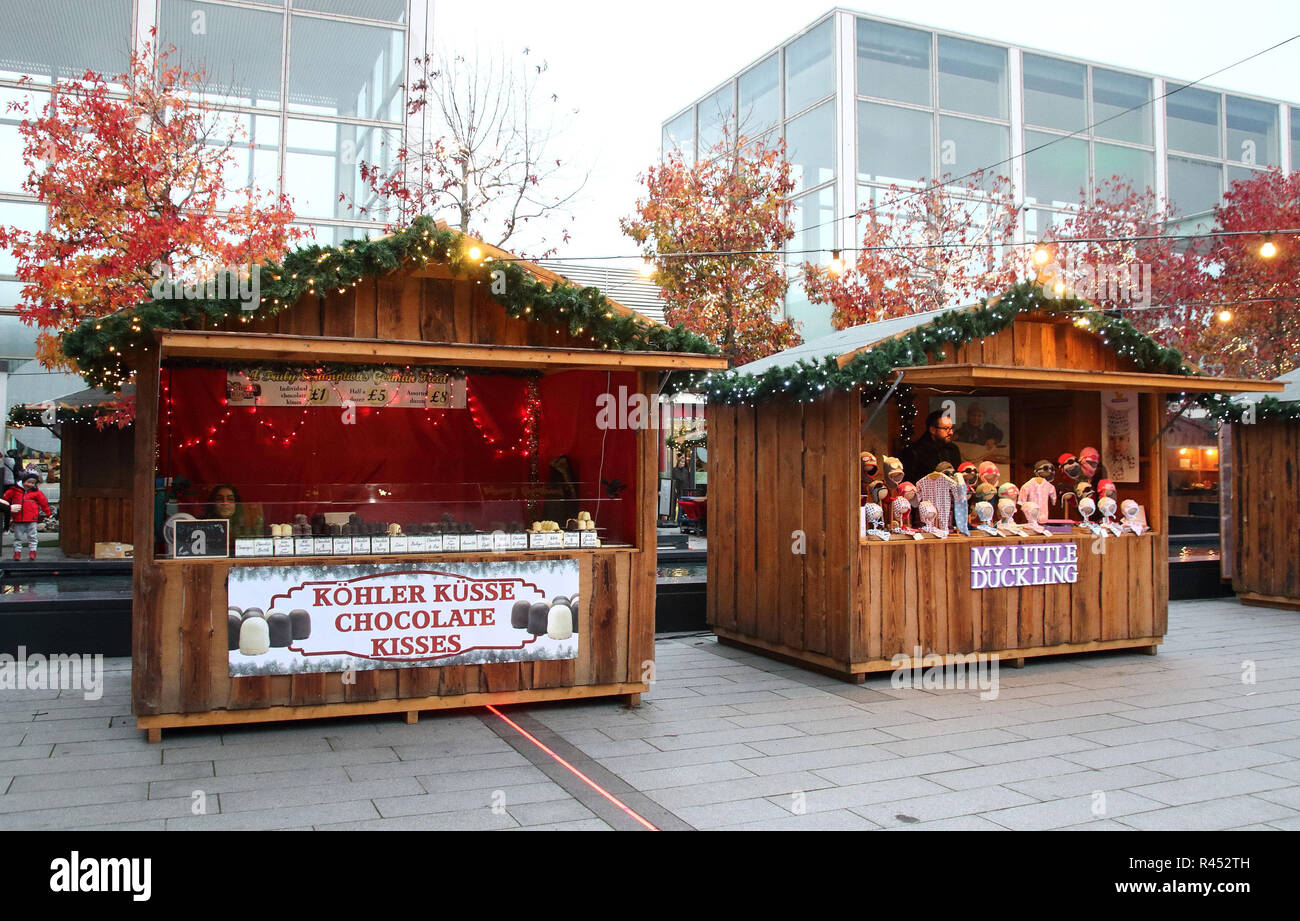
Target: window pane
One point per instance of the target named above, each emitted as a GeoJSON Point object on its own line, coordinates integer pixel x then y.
{"type": "Point", "coordinates": [255, 156]}
{"type": "Point", "coordinates": [1242, 174]}
{"type": "Point", "coordinates": [13, 171]}
{"type": "Point", "coordinates": [715, 114]}
{"type": "Point", "coordinates": [1193, 120]}
{"type": "Point", "coordinates": [322, 162]}
{"type": "Point", "coordinates": [679, 134]}
{"type": "Point", "coordinates": [239, 50]}
{"type": "Point", "coordinates": [1112, 94]}
{"type": "Point", "coordinates": [1039, 221]}
{"type": "Point", "coordinates": [1252, 132]}
{"type": "Point", "coordinates": [1137, 166]}
{"type": "Point", "coordinates": [387, 10]}
{"type": "Point", "coordinates": [53, 39]}
{"type": "Point", "coordinates": [813, 219]}
{"type": "Point", "coordinates": [816, 318]}
{"type": "Point", "coordinates": [1054, 93]}
{"type": "Point", "coordinates": [810, 146]}
{"type": "Point", "coordinates": [760, 97]}
{"type": "Point", "coordinates": [893, 62]}
{"type": "Point", "coordinates": [24, 217]}
{"type": "Point", "coordinates": [809, 69]}
{"type": "Point", "coordinates": [1295, 139]}
{"type": "Point", "coordinates": [966, 145]}
{"type": "Point", "coordinates": [340, 68]}
{"type": "Point", "coordinates": [17, 339]}
{"type": "Point", "coordinates": [10, 295]}
{"type": "Point", "coordinates": [894, 144]}
{"type": "Point", "coordinates": [1194, 186]}
{"type": "Point", "coordinates": [972, 77]}
{"type": "Point", "coordinates": [1057, 174]}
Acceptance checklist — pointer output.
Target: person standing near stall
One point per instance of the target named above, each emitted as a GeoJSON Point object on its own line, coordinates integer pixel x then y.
{"type": "Point", "coordinates": [931, 449]}
{"type": "Point", "coordinates": [26, 505]}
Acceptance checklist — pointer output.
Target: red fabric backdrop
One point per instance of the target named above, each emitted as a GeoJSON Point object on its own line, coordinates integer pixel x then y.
{"type": "Point", "coordinates": [399, 465]}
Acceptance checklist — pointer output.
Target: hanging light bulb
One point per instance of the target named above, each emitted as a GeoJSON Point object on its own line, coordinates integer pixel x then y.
{"type": "Point", "coordinates": [1041, 255]}
{"type": "Point", "coordinates": [1225, 316]}
{"type": "Point", "coordinates": [646, 268]}
{"type": "Point", "coordinates": [836, 264]}
{"type": "Point", "coordinates": [1268, 249]}
{"type": "Point", "coordinates": [475, 253]}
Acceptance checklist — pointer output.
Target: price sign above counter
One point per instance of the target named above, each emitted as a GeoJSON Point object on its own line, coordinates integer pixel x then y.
{"type": "Point", "coordinates": [389, 387]}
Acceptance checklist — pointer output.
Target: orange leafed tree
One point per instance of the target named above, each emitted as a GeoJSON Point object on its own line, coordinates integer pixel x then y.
{"type": "Point", "coordinates": [941, 245]}
{"type": "Point", "coordinates": [135, 187]}
{"type": "Point", "coordinates": [726, 216]}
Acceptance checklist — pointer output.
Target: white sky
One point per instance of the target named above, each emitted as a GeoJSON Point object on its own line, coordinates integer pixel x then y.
{"type": "Point", "coordinates": [626, 67]}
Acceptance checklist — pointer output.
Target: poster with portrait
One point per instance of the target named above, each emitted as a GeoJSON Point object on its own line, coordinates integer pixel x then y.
{"type": "Point", "coordinates": [1120, 435]}
{"type": "Point", "coordinates": [982, 427]}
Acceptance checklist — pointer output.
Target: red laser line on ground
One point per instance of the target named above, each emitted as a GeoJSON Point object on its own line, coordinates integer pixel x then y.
{"type": "Point", "coordinates": [581, 776]}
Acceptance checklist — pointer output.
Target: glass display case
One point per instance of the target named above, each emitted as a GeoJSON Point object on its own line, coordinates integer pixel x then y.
{"type": "Point", "coordinates": [364, 461]}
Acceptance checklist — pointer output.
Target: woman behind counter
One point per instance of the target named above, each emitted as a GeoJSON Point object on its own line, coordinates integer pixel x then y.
{"type": "Point", "coordinates": [224, 502]}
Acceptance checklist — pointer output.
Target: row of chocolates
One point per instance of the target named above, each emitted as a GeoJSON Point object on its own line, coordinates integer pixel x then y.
{"type": "Point", "coordinates": [557, 620]}
{"type": "Point", "coordinates": [255, 632]}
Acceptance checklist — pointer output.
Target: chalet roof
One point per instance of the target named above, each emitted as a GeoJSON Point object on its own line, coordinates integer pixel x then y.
{"type": "Point", "coordinates": [842, 342]}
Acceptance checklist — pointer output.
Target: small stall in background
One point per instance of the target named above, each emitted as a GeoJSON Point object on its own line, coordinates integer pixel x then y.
{"type": "Point", "coordinates": [1262, 497]}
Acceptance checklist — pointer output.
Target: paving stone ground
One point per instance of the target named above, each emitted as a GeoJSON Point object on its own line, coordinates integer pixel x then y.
{"type": "Point", "coordinates": [725, 740]}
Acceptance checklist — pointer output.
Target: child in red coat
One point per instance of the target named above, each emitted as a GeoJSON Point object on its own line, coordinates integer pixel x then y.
{"type": "Point", "coordinates": [26, 505]}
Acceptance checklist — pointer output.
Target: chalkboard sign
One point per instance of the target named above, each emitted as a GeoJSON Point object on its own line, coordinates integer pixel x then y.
{"type": "Point", "coordinates": [202, 538]}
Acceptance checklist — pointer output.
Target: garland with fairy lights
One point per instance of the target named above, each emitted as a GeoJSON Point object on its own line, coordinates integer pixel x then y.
{"type": "Point", "coordinates": [100, 346]}
{"type": "Point", "coordinates": [806, 379]}
{"type": "Point", "coordinates": [25, 416]}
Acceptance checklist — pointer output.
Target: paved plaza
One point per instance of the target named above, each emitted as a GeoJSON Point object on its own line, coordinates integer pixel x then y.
{"type": "Point", "coordinates": [725, 740]}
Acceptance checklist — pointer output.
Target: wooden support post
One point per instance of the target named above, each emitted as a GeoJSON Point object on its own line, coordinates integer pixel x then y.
{"type": "Point", "coordinates": [412, 717]}
{"type": "Point", "coordinates": [632, 701]}
{"type": "Point", "coordinates": [154, 735]}
{"type": "Point", "coordinates": [1150, 650]}
{"type": "Point", "coordinates": [1017, 663]}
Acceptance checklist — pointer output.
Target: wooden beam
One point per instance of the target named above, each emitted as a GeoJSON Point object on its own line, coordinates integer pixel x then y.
{"type": "Point", "coordinates": [154, 724]}
{"type": "Point", "coordinates": [971, 375]}
{"type": "Point", "coordinates": [253, 347]}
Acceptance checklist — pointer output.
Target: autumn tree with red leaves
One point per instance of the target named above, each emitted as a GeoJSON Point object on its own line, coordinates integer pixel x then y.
{"type": "Point", "coordinates": [942, 245]}
{"type": "Point", "coordinates": [1121, 252]}
{"type": "Point", "coordinates": [728, 218]}
{"type": "Point", "coordinates": [1259, 336]}
{"type": "Point", "coordinates": [134, 187]}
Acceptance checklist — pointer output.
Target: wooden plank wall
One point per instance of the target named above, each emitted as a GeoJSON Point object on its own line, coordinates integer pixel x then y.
{"type": "Point", "coordinates": [1266, 500]}
{"type": "Point", "coordinates": [916, 594]}
{"type": "Point", "coordinates": [783, 522]}
{"type": "Point", "coordinates": [427, 305]}
{"type": "Point", "coordinates": [189, 661]}
{"type": "Point", "coordinates": [95, 493]}
{"type": "Point", "coordinates": [1041, 342]}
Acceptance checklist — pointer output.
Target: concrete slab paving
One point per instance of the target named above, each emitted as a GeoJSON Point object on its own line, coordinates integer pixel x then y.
{"type": "Point", "coordinates": [728, 740]}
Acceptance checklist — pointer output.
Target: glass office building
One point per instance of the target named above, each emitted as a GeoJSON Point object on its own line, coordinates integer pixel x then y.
{"type": "Point", "coordinates": [315, 85]}
{"type": "Point", "coordinates": [863, 103]}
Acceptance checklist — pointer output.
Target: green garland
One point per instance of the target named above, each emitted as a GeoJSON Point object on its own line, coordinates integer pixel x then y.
{"type": "Point", "coordinates": [98, 346]}
{"type": "Point", "coordinates": [21, 416]}
{"type": "Point", "coordinates": [807, 379]}
{"type": "Point", "coordinates": [1268, 409]}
